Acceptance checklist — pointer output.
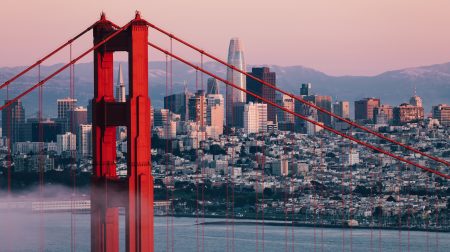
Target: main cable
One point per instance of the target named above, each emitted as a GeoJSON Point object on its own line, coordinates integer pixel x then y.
{"type": "Point", "coordinates": [310, 104]}
{"type": "Point", "coordinates": [360, 142]}
{"type": "Point", "coordinates": [42, 82]}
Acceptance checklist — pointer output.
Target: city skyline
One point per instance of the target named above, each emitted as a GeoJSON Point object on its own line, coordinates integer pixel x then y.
{"type": "Point", "coordinates": [284, 153]}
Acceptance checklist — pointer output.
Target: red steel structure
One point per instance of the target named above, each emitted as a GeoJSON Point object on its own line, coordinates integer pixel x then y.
{"type": "Point", "coordinates": [135, 194]}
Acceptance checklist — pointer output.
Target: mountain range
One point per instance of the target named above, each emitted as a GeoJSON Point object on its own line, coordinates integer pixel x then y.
{"type": "Point", "coordinates": [432, 83]}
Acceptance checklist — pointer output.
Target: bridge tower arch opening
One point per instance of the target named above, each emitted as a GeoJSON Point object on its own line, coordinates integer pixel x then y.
{"type": "Point", "coordinates": [135, 193]}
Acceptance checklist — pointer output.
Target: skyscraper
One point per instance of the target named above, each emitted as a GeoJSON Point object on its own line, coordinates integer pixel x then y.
{"type": "Point", "coordinates": [262, 90]}
{"type": "Point", "coordinates": [416, 101]}
{"type": "Point", "coordinates": [197, 108]}
{"type": "Point", "coordinates": [383, 114]}
{"type": "Point", "coordinates": [65, 105]}
{"type": "Point", "coordinates": [49, 128]}
{"type": "Point", "coordinates": [255, 118]}
{"type": "Point", "coordinates": [120, 87]}
{"type": "Point", "coordinates": [406, 113]}
{"type": "Point", "coordinates": [178, 104]}
{"type": "Point", "coordinates": [15, 115]}
{"type": "Point", "coordinates": [66, 142]}
{"type": "Point", "coordinates": [215, 113]}
{"type": "Point", "coordinates": [213, 86]}
{"type": "Point", "coordinates": [77, 116]}
{"type": "Point", "coordinates": [364, 109]}
{"type": "Point", "coordinates": [342, 109]}
{"type": "Point", "coordinates": [235, 58]}
{"type": "Point", "coordinates": [285, 120]}
{"type": "Point", "coordinates": [442, 113]}
{"type": "Point", "coordinates": [323, 101]}
{"type": "Point", "coordinates": [84, 139]}
{"type": "Point", "coordinates": [305, 89]}
{"type": "Point", "coordinates": [160, 117]}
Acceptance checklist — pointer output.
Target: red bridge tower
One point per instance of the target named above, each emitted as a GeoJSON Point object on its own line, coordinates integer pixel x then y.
{"type": "Point", "coordinates": [135, 193]}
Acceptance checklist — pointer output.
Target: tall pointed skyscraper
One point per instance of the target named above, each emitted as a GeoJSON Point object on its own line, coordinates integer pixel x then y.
{"type": "Point", "coordinates": [120, 86]}
{"type": "Point", "coordinates": [235, 97]}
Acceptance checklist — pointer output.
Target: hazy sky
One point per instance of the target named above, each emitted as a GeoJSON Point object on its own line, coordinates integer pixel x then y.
{"type": "Point", "coordinates": [338, 37]}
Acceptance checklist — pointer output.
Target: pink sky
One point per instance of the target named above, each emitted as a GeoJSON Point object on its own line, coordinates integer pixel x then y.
{"type": "Point", "coordinates": [345, 37]}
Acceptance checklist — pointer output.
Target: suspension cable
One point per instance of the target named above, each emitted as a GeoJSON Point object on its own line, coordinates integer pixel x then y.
{"type": "Point", "coordinates": [39, 62]}
{"type": "Point", "coordinates": [41, 167]}
{"type": "Point", "coordinates": [360, 142]}
{"type": "Point", "coordinates": [299, 98]}
{"type": "Point", "coordinates": [42, 82]}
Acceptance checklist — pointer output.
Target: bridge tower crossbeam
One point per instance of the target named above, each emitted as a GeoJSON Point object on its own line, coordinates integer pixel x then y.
{"type": "Point", "coordinates": [109, 193]}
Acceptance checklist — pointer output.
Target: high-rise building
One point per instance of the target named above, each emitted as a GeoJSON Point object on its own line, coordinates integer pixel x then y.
{"type": "Point", "coordinates": [406, 113]}
{"type": "Point", "coordinates": [262, 90]}
{"type": "Point", "coordinates": [342, 108]}
{"type": "Point", "coordinates": [383, 114]}
{"type": "Point", "coordinates": [233, 96]}
{"type": "Point", "coordinates": [442, 113]}
{"type": "Point", "coordinates": [285, 120]}
{"type": "Point", "coordinates": [197, 108]}
{"type": "Point", "coordinates": [49, 128]}
{"type": "Point", "coordinates": [66, 142]}
{"type": "Point", "coordinates": [160, 117]}
{"type": "Point", "coordinates": [13, 119]}
{"type": "Point", "coordinates": [178, 104]}
{"type": "Point", "coordinates": [364, 109]}
{"type": "Point", "coordinates": [305, 89]}
{"type": "Point", "coordinates": [84, 138]}
{"type": "Point", "coordinates": [213, 86]}
{"type": "Point", "coordinates": [215, 113]}
{"type": "Point", "coordinates": [238, 115]}
{"type": "Point", "coordinates": [323, 101]}
{"type": "Point", "coordinates": [255, 118]}
{"type": "Point", "coordinates": [416, 101]}
{"type": "Point", "coordinates": [77, 116]}
{"type": "Point", "coordinates": [301, 125]}
{"type": "Point", "coordinates": [120, 87]}
{"type": "Point", "coordinates": [65, 105]}
{"type": "Point", "coordinates": [168, 131]}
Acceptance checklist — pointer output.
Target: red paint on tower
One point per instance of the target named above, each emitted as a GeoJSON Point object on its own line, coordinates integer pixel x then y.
{"type": "Point", "coordinates": [108, 192]}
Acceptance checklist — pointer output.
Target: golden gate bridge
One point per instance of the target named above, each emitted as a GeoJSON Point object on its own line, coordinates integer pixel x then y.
{"type": "Point", "coordinates": [135, 193]}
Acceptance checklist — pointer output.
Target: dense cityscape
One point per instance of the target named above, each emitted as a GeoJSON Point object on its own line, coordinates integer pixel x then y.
{"type": "Point", "coordinates": [220, 152]}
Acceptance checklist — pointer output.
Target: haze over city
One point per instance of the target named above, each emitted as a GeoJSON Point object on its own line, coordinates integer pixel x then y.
{"type": "Point", "coordinates": [350, 37]}
{"type": "Point", "coordinates": [225, 126]}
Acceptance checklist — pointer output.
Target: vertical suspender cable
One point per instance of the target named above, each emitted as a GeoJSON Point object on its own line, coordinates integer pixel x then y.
{"type": "Point", "coordinates": [8, 133]}
{"type": "Point", "coordinates": [197, 174]}
{"type": "Point", "coordinates": [427, 220]}
{"type": "Point", "coordinates": [232, 192]}
{"type": "Point", "coordinates": [173, 167]}
{"type": "Point", "coordinates": [350, 212]}
{"type": "Point", "coordinates": [167, 159]}
{"type": "Point", "coordinates": [399, 208]}
{"type": "Point", "coordinates": [380, 206]}
{"type": "Point", "coordinates": [40, 158]}
{"type": "Point", "coordinates": [71, 120]}
{"type": "Point", "coordinates": [343, 195]}
{"type": "Point", "coordinates": [322, 165]}
{"type": "Point", "coordinates": [203, 119]}
{"type": "Point", "coordinates": [371, 204]}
